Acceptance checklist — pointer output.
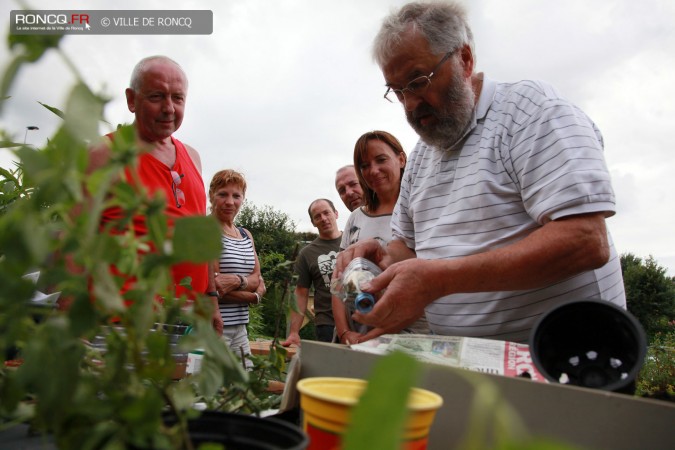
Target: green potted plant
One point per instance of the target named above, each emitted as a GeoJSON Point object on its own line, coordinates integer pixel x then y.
{"type": "Point", "coordinates": [128, 395]}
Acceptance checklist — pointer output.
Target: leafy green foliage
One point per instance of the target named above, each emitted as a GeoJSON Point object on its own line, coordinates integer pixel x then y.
{"type": "Point", "coordinates": [657, 376]}
{"type": "Point", "coordinates": [250, 395]}
{"type": "Point", "coordinates": [8, 144]}
{"type": "Point", "coordinates": [650, 294]}
{"type": "Point", "coordinates": [274, 267]}
{"type": "Point", "coordinates": [187, 229]}
{"type": "Point", "coordinates": [277, 246]}
{"type": "Point", "coordinates": [56, 111]}
{"type": "Point", "coordinates": [11, 187]}
{"type": "Point", "coordinates": [275, 307]}
{"type": "Point", "coordinates": [32, 47]}
{"type": "Point", "coordinates": [272, 230]}
{"type": "Point", "coordinates": [382, 405]}
{"type": "Point", "coordinates": [27, 49]}
{"type": "Point", "coordinates": [112, 395]}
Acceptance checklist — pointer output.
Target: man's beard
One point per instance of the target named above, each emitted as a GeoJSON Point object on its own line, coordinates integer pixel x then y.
{"type": "Point", "coordinates": [452, 121]}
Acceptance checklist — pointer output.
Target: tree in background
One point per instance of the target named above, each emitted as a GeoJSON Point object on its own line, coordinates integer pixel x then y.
{"type": "Point", "coordinates": [650, 294]}
{"type": "Point", "coordinates": [273, 231]}
{"type": "Point", "coordinates": [277, 244]}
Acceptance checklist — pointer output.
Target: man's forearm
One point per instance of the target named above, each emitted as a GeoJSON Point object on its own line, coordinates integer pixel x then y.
{"type": "Point", "coordinates": [212, 267]}
{"type": "Point", "coordinates": [339, 316]}
{"type": "Point", "coordinates": [298, 317]}
{"type": "Point", "coordinates": [558, 250]}
{"type": "Point", "coordinates": [252, 281]}
{"type": "Point", "coordinates": [397, 251]}
{"type": "Point", "coordinates": [296, 322]}
{"type": "Point", "coordinates": [238, 297]}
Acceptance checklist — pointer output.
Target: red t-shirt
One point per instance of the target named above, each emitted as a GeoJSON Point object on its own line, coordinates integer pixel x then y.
{"type": "Point", "coordinates": [156, 177]}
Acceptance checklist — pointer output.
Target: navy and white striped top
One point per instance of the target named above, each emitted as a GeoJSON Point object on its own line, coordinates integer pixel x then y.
{"type": "Point", "coordinates": [237, 257]}
{"type": "Point", "coordinates": [530, 157]}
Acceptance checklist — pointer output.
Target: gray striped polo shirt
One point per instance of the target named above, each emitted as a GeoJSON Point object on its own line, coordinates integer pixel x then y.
{"type": "Point", "coordinates": [530, 157]}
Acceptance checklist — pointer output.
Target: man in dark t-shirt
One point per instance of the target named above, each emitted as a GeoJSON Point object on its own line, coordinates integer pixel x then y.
{"type": "Point", "coordinates": [314, 267]}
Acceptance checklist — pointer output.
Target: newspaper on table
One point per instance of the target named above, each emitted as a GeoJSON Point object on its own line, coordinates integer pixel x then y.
{"type": "Point", "coordinates": [481, 355]}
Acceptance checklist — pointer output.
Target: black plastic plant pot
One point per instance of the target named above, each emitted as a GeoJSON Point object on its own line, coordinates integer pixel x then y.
{"type": "Point", "coordinates": [242, 432]}
{"type": "Point", "coordinates": [232, 431]}
{"type": "Point", "coordinates": [589, 343]}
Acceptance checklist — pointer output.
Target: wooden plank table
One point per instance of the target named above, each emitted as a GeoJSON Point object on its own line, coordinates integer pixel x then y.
{"type": "Point", "coordinates": [262, 347]}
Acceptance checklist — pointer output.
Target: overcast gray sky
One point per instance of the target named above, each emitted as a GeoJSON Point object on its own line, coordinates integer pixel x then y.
{"type": "Point", "coordinates": [282, 89]}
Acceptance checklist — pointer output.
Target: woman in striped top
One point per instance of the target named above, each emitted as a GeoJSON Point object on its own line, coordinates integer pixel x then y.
{"type": "Point", "coordinates": [237, 272]}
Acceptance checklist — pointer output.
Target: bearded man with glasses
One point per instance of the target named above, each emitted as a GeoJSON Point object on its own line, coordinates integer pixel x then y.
{"type": "Point", "coordinates": [502, 209]}
{"type": "Point", "coordinates": [156, 95]}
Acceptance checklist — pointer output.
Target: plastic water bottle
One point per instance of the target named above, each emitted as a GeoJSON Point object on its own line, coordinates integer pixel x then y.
{"type": "Point", "coordinates": [348, 288]}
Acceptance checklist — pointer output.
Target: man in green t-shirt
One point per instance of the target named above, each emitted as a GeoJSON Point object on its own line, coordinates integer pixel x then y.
{"type": "Point", "coordinates": [314, 267]}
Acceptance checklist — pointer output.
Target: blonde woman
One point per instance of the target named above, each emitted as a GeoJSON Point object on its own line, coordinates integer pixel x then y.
{"type": "Point", "coordinates": [237, 272]}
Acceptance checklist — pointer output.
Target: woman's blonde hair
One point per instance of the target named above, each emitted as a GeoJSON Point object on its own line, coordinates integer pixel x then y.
{"type": "Point", "coordinates": [225, 177]}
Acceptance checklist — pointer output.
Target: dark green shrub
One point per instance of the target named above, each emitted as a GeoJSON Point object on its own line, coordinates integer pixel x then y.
{"type": "Point", "coordinates": [650, 293]}
{"type": "Point", "coordinates": [657, 377]}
